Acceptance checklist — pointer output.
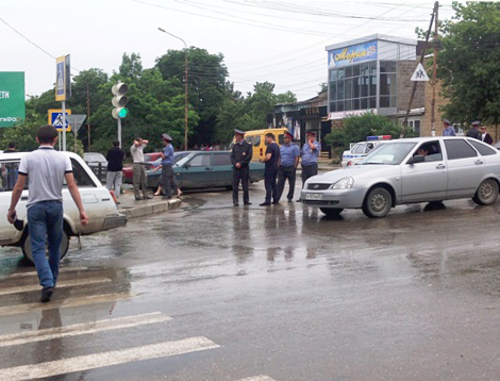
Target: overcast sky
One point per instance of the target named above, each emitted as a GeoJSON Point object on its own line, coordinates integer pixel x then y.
{"type": "Point", "coordinates": [282, 42]}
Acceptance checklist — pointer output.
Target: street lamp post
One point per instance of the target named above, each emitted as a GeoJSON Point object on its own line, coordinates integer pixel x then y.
{"type": "Point", "coordinates": [185, 87]}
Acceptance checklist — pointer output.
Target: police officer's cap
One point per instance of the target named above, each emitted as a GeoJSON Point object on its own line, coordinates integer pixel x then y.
{"type": "Point", "coordinates": [311, 133]}
{"type": "Point", "coordinates": [476, 123]}
{"type": "Point", "coordinates": [166, 137]}
{"type": "Point", "coordinates": [446, 121]}
{"type": "Point", "coordinates": [239, 132]}
{"type": "Point", "coordinates": [289, 134]}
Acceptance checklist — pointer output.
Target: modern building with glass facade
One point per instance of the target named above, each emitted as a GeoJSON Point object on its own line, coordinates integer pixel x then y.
{"type": "Point", "coordinates": [370, 74]}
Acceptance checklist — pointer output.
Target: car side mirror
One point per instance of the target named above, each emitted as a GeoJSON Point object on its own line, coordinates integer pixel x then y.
{"type": "Point", "coordinates": [187, 165]}
{"type": "Point", "coordinates": [418, 159]}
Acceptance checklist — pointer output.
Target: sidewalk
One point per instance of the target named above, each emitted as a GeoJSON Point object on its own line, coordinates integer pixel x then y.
{"type": "Point", "coordinates": [133, 209]}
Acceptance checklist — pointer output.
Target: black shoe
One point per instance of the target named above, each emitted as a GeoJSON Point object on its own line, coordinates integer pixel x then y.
{"type": "Point", "coordinates": [235, 204]}
{"type": "Point", "coordinates": [248, 203]}
{"type": "Point", "coordinates": [290, 200]}
{"type": "Point", "coordinates": [265, 204]}
{"type": "Point", "coordinates": [46, 294]}
{"type": "Point", "coordinates": [166, 198]}
{"type": "Point", "coordinates": [138, 199]}
{"type": "Point", "coordinates": [276, 202]}
{"type": "Point", "coordinates": [299, 200]}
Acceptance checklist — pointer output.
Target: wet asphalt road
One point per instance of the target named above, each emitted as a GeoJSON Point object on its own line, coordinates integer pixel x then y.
{"type": "Point", "coordinates": [282, 292]}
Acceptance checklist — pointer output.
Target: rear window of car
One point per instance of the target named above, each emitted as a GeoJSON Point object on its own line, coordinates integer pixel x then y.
{"type": "Point", "coordinates": [482, 148]}
{"type": "Point", "coordinates": [458, 149]}
{"type": "Point", "coordinates": [221, 159]}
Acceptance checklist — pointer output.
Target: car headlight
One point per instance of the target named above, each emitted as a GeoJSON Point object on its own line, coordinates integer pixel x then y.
{"type": "Point", "coordinates": [346, 183]}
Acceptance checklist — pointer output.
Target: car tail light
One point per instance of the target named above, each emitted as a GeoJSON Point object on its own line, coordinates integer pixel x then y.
{"type": "Point", "coordinates": [349, 163]}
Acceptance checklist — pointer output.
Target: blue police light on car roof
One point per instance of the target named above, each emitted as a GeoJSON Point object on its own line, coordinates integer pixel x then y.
{"type": "Point", "coordinates": [379, 137]}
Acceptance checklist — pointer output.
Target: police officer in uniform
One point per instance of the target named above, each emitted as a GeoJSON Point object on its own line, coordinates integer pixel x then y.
{"type": "Point", "coordinates": [474, 131]}
{"type": "Point", "coordinates": [309, 153]}
{"type": "Point", "coordinates": [240, 158]}
{"type": "Point", "coordinates": [290, 155]}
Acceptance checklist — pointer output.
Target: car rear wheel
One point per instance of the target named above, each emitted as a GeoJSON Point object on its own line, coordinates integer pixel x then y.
{"type": "Point", "coordinates": [331, 212]}
{"type": "Point", "coordinates": [377, 203]}
{"type": "Point", "coordinates": [487, 192]}
{"type": "Point", "coordinates": [28, 250]}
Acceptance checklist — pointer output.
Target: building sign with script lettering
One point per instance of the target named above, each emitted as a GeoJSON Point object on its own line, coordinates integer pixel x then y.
{"type": "Point", "coordinates": [353, 54]}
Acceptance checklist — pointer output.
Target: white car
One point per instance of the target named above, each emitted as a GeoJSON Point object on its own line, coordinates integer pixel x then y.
{"type": "Point", "coordinates": [358, 151]}
{"type": "Point", "coordinates": [97, 201]}
{"type": "Point", "coordinates": [405, 171]}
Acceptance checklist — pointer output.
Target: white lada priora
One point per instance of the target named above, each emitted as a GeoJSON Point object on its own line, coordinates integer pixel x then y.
{"type": "Point", "coordinates": [409, 171]}
{"type": "Point", "coordinates": [98, 202]}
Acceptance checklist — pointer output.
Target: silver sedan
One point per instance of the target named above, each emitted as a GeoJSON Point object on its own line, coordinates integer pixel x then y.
{"type": "Point", "coordinates": [409, 171]}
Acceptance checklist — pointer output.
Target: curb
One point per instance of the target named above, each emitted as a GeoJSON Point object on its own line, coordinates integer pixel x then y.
{"type": "Point", "coordinates": [149, 209]}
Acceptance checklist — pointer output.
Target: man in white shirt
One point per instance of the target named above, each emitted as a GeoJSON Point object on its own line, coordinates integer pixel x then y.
{"type": "Point", "coordinates": [46, 169]}
{"type": "Point", "coordinates": [139, 179]}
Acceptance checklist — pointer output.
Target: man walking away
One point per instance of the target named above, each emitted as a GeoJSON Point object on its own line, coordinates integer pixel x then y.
{"type": "Point", "coordinates": [289, 154]}
{"type": "Point", "coordinates": [310, 153]}
{"type": "Point", "coordinates": [271, 159]}
{"type": "Point", "coordinates": [474, 130]}
{"type": "Point", "coordinates": [115, 158]}
{"type": "Point", "coordinates": [46, 169]}
{"type": "Point", "coordinates": [169, 183]}
{"type": "Point", "coordinates": [240, 158]}
{"type": "Point", "coordinates": [448, 128]}
{"type": "Point", "coordinates": [139, 172]}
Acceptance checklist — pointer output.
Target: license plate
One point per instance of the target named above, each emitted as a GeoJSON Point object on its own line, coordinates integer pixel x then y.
{"type": "Point", "coordinates": [314, 196]}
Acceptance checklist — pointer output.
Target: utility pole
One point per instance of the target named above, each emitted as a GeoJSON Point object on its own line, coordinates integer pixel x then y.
{"type": "Point", "coordinates": [185, 86]}
{"type": "Point", "coordinates": [88, 118]}
{"type": "Point", "coordinates": [434, 13]}
{"type": "Point", "coordinates": [434, 72]}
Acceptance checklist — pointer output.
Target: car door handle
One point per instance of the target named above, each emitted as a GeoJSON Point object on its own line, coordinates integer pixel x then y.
{"type": "Point", "coordinates": [478, 162]}
{"type": "Point", "coordinates": [440, 166]}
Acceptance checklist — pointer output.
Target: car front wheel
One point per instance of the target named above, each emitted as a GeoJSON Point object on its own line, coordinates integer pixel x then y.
{"type": "Point", "coordinates": [377, 203]}
{"type": "Point", "coordinates": [487, 192]}
{"type": "Point", "coordinates": [28, 250]}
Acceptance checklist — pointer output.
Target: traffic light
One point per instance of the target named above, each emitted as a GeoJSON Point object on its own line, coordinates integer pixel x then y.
{"type": "Point", "coordinates": [119, 100]}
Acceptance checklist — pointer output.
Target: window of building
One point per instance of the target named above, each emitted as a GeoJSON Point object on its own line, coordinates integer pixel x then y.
{"type": "Point", "coordinates": [354, 87]}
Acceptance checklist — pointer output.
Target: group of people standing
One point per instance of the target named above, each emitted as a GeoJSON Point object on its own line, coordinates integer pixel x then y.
{"type": "Point", "coordinates": [476, 131]}
{"type": "Point", "coordinates": [280, 165]}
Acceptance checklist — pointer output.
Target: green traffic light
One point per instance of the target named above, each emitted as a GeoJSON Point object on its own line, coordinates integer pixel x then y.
{"type": "Point", "coordinates": [123, 112]}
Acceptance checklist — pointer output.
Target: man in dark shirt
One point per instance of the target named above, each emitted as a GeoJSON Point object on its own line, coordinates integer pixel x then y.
{"type": "Point", "coordinates": [115, 165]}
{"type": "Point", "coordinates": [271, 159]}
{"type": "Point", "coordinates": [240, 158]}
{"type": "Point", "coordinates": [474, 130]}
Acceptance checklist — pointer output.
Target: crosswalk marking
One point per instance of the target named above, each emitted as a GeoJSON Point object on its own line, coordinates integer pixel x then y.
{"type": "Point", "coordinates": [69, 283]}
{"type": "Point", "coordinates": [34, 273]}
{"type": "Point", "coordinates": [99, 360]}
{"type": "Point", "coordinates": [257, 378]}
{"type": "Point", "coordinates": [82, 329]}
{"type": "Point", "coordinates": [66, 303]}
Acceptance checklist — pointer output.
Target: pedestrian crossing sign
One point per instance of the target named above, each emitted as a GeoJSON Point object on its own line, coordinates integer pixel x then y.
{"type": "Point", "coordinates": [56, 119]}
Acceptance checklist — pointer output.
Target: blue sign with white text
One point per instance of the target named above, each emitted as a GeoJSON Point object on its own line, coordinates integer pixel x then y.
{"type": "Point", "coordinates": [353, 54]}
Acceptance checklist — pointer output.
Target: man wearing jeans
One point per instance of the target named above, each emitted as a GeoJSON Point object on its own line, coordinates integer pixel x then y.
{"type": "Point", "coordinates": [46, 169]}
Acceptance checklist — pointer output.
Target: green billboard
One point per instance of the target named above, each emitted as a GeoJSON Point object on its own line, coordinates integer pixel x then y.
{"type": "Point", "coordinates": [12, 104]}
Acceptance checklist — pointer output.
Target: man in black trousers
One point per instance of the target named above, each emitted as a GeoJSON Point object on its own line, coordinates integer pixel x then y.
{"type": "Point", "coordinates": [271, 159]}
{"type": "Point", "coordinates": [240, 158]}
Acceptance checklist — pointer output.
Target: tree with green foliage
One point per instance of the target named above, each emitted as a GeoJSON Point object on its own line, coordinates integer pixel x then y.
{"type": "Point", "coordinates": [357, 128]}
{"type": "Point", "coordinates": [468, 62]}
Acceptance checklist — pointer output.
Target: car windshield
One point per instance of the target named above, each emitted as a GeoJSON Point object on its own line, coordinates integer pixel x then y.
{"type": "Point", "coordinates": [389, 154]}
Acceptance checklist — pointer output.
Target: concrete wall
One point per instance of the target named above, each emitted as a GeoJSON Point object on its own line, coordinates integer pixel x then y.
{"type": "Point", "coordinates": [405, 87]}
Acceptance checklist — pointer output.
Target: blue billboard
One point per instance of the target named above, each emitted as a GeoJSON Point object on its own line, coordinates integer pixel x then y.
{"type": "Point", "coordinates": [353, 54]}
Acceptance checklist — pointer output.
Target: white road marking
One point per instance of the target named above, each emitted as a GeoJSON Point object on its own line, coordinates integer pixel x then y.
{"type": "Point", "coordinates": [82, 329]}
{"type": "Point", "coordinates": [33, 273]}
{"type": "Point", "coordinates": [66, 303]}
{"type": "Point", "coordinates": [99, 360]}
{"type": "Point", "coordinates": [68, 283]}
{"type": "Point", "coordinates": [257, 378]}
